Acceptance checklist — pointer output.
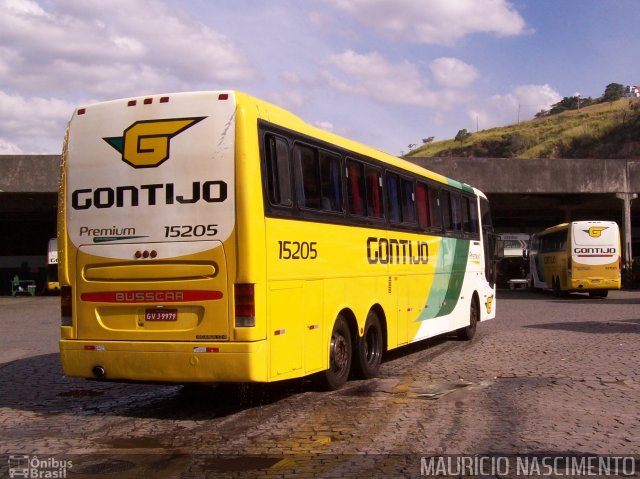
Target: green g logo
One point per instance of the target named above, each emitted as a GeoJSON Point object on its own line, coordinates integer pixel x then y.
{"type": "Point", "coordinates": [145, 144]}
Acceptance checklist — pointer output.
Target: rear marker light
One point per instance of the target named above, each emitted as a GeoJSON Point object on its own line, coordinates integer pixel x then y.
{"type": "Point", "coordinates": [164, 99]}
{"type": "Point", "coordinates": [279, 332]}
{"type": "Point", "coordinates": [201, 349]}
{"type": "Point", "coordinates": [132, 103]}
{"type": "Point", "coordinates": [245, 305]}
{"type": "Point", "coordinates": [148, 101]}
{"type": "Point", "coordinates": [145, 254]}
{"type": "Point", "coordinates": [91, 347]}
{"type": "Point", "coordinates": [82, 111]}
{"type": "Point", "coordinates": [223, 96]}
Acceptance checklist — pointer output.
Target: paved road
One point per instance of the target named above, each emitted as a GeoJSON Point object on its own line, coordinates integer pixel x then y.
{"type": "Point", "coordinates": [548, 376]}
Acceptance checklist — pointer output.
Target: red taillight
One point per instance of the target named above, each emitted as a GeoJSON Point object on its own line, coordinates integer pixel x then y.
{"type": "Point", "coordinates": [245, 305]}
{"type": "Point", "coordinates": [223, 96]}
{"type": "Point", "coordinates": [66, 306]}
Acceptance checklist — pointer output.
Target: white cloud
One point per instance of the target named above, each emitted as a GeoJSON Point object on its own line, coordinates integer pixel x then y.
{"type": "Point", "coordinates": [442, 22]}
{"type": "Point", "coordinates": [371, 75]}
{"type": "Point", "coordinates": [522, 103]}
{"type": "Point", "coordinates": [131, 45]}
{"type": "Point", "coordinates": [452, 73]}
{"type": "Point", "coordinates": [33, 123]}
{"type": "Point", "coordinates": [8, 148]}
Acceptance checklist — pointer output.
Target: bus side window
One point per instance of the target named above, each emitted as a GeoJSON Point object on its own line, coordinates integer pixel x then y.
{"type": "Point", "coordinates": [436, 208]}
{"type": "Point", "coordinates": [278, 174]}
{"type": "Point", "coordinates": [456, 213]}
{"type": "Point", "coordinates": [469, 216]}
{"type": "Point", "coordinates": [395, 198]}
{"type": "Point", "coordinates": [355, 187]}
{"type": "Point", "coordinates": [331, 182]}
{"type": "Point", "coordinates": [307, 177]}
{"type": "Point", "coordinates": [408, 202]}
{"type": "Point", "coordinates": [445, 203]}
{"type": "Point", "coordinates": [422, 203]}
{"type": "Point", "coordinates": [374, 192]}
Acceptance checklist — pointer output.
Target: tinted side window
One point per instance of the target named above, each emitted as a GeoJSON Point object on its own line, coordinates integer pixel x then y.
{"type": "Point", "coordinates": [355, 187]}
{"type": "Point", "coordinates": [278, 175]}
{"type": "Point", "coordinates": [308, 187]}
{"type": "Point", "coordinates": [330, 182]}
{"type": "Point", "coordinates": [456, 212]}
{"type": "Point", "coordinates": [374, 192]}
{"type": "Point", "coordinates": [394, 197]}
{"type": "Point", "coordinates": [422, 204]}
{"type": "Point", "coordinates": [436, 208]}
{"type": "Point", "coordinates": [408, 202]}
{"type": "Point", "coordinates": [445, 204]}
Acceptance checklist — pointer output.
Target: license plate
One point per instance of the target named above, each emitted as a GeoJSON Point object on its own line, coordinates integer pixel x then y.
{"type": "Point", "coordinates": [161, 315]}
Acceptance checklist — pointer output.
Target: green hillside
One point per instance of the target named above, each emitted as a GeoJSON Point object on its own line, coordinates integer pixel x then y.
{"type": "Point", "coordinates": [603, 130]}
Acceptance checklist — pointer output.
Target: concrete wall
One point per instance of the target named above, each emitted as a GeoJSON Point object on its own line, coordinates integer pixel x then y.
{"type": "Point", "coordinates": [29, 173]}
{"type": "Point", "coordinates": [542, 176]}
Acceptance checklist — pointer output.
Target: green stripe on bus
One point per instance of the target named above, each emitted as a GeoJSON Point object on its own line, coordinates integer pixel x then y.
{"type": "Point", "coordinates": [448, 279]}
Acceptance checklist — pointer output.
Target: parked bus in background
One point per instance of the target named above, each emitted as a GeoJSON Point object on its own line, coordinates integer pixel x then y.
{"type": "Point", "coordinates": [581, 256]}
{"type": "Point", "coordinates": [513, 269]}
{"type": "Point", "coordinates": [214, 237]}
{"type": "Point", "coordinates": [52, 283]}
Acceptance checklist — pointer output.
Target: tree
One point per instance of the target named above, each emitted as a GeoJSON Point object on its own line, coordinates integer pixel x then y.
{"type": "Point", "coordinates": [428, 140]}
{"type": "Point", "coordinates": [613, 92]}
{"type": "Point", "coordinates": [462, 135]}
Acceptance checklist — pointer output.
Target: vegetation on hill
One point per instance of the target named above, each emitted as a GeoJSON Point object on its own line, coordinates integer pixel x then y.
{"type": "Point", "coordinates": [586, 129]}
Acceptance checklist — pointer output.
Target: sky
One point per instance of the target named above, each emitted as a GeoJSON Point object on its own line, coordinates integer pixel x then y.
{"type": "Point", "coordinates": [387, 73]}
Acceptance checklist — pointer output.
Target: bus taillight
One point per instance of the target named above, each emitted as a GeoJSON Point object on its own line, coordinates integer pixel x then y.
{"type": "Point", "coordinates": [245, 305]}
{"type": "Point", "coordinates": [66, 306]}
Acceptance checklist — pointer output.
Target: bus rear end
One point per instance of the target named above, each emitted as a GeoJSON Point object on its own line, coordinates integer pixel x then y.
{"type": "Point", "coordinates": [147, 233]}
{"type": "Point", "coordinates": [595, 262]}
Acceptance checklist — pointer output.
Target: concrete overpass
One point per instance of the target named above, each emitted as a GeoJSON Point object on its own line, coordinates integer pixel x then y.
{"type": "Point", "coordinates": [526, 196]}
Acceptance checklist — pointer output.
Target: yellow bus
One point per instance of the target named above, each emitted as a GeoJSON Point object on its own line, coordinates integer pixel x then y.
{"type": "Point", "coordinates": [214, 237]}
{"type": "Point", "coordinates": [52, 283]}
{"type": "Point", "coordinates": [582, 256]}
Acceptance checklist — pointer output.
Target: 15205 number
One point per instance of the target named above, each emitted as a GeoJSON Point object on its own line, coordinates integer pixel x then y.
{"type": "Point", "coordinates": [190, 231]}
{"type": "Point", "coordinates": [297, 250]}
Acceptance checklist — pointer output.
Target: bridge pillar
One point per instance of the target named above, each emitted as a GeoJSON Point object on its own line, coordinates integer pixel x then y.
{"type": "Point", "coordinates": [627, 198]}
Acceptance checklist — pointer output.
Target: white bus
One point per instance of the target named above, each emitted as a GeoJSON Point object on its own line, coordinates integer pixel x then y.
{"type": "Point", "coordinates": [581, 256]}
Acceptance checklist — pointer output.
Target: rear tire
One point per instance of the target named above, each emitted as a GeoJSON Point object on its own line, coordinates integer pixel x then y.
{"type": "Point", "coordinates": [369, 351]}
{"type": "Point", "coordinates": [340, 353]}
{"type": "Point", "coordinates": [467, 333]}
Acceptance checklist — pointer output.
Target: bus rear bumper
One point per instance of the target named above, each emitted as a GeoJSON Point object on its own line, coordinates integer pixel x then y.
{"type": "Point", "coordinates": [165, 362]}
{"type": "Point", "coordinates": [588, 284]}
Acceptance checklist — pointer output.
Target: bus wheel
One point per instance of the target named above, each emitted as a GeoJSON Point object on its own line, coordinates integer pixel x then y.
{"type": "Point", "coordinates": [340, 351]}
{"type": "Point", "coordinates": [469, 332]}
{"type": "Point", "coordinates": [369, 351]}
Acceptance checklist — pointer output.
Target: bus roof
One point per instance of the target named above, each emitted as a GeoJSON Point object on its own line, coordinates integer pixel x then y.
{"type": "Point", "coordinates": [564, 226]}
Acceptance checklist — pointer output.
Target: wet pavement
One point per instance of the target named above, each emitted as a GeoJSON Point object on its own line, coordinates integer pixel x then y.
{"type": "Point", "coordinates": [548, 376]}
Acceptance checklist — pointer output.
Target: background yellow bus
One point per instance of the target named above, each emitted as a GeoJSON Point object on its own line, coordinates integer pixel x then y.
{"type": "Point", "coordinates": [581, 256]}
{"type": "Point", "coordinates": [211, 237]}
{"type": "Point", "coordinates": [52, 283]}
